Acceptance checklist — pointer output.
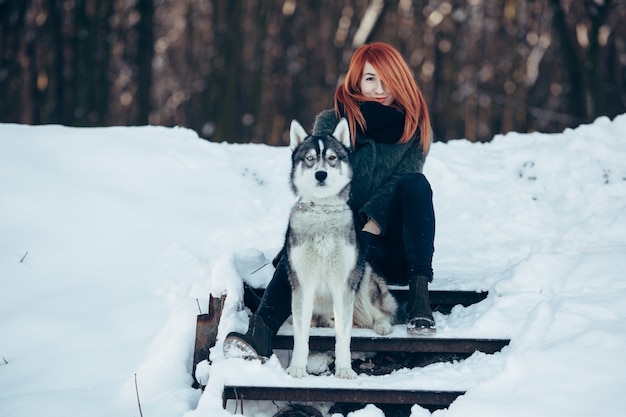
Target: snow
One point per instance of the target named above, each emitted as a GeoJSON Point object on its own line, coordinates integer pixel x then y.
{"type": "Point", "coordinates": [111, 239]}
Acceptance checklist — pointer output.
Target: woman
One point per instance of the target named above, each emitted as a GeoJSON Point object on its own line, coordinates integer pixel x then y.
{"type": "Point", "coordinates": [390, 197]}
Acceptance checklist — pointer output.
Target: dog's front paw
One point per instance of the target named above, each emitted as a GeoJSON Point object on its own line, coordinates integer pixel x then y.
{"type": "Point", "coordinates": [345, 373]}
{"type": "Point", "coordinates": [382, 327]}
{"type": "Point", "coordinates": [297, 371]}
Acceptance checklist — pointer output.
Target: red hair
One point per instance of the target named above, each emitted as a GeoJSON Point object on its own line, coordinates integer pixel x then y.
{"type": "Point", "coordinates": [396, 75]}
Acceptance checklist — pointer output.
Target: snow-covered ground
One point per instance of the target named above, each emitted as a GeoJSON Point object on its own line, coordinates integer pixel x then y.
{"type": "Point", "coordinates": [111, 240]}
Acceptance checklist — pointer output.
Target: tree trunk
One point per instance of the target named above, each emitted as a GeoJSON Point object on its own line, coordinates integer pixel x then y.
{"type": "Point", "coordinates": [145, 54]}
{"type": "Point", "coordinates": [577, 104]}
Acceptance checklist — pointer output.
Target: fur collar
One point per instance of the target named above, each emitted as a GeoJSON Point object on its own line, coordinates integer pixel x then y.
{"type": "Point", "coordinates": [321, 208]}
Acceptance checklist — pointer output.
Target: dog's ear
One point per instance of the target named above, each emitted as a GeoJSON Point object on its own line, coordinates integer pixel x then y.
{"type": "Point", "coordinates": [342, 133]}
{"type": "Point", "coordinates": [297, 134]}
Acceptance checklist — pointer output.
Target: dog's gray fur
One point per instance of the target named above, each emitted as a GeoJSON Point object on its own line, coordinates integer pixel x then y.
{"type": "Point", "coordinates": [330, 280]}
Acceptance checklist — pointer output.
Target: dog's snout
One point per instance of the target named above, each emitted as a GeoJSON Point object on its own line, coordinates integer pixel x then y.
{"type": "Point", "coordinates": [321, 175]}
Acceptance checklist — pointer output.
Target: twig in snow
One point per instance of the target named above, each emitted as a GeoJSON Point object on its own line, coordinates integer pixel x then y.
{"type": "Point", "coordinates": [137, 391]}
{"type": "Point", "coordinates": [198, 302]}
{"type": "Point", "coordinates": [24, 257]}
{"type": "Point", "coordinates": [5, 361]}
{"type": "Point", "coordinates": [259, 268]}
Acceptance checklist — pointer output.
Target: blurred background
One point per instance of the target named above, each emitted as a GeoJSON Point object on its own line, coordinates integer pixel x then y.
{"type": "Point", "coordinates": [240, 70]}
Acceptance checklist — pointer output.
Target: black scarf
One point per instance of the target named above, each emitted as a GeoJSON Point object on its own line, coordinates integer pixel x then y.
{"type": "Point", "coordinates": [383, 124]}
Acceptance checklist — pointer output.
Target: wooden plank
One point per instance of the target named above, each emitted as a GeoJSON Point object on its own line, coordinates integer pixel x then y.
{"type": "Point", "coordinates": [429, 399]}
{"type": "Point", "coordinates": [390, 344]}
{"type": "Point", "coordinates": [441, 301]}
{"type": "Point", "coordinates": [464, 298]}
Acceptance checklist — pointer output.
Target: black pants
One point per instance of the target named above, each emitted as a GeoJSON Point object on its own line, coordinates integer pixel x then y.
{"type": "Point", "coordinates": [408, 246]}
{"type": "Point", "coordinates": [406, 249]}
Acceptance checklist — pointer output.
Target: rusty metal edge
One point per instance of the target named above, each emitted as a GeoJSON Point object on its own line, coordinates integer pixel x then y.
{"type": "Point", "coordinates": [206, 333]}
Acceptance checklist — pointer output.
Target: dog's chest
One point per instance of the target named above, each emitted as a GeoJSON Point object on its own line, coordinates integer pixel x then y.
{"type": "Point", "coordinates": [322, 237]}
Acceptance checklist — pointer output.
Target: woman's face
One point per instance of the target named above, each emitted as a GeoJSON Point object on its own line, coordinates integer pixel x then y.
{"type": "Point", "coordinates": [373, 87]}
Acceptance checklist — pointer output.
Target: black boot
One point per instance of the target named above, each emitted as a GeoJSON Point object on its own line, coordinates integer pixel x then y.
{"type": "Point", "coordinates": [255, 344]}
{"type": "Point", "coordinates": [420, 320]}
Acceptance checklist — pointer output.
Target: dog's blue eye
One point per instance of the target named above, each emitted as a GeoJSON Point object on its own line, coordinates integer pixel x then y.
{"type": "Point", "coordinates": [310, 158]}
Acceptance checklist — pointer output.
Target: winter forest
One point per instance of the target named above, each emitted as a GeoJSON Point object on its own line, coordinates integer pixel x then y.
{"type": "Point", "coordinates": [239, 71]}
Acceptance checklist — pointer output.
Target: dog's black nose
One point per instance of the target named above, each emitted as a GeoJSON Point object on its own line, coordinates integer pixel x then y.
{"type": "Point", "coordinates": [321, 175]}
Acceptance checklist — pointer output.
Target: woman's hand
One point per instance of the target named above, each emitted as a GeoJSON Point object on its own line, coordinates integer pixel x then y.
{"type": "Point", "coordinates": [370, 241]}
{"type": "Point", "coordinates": [371, 227]}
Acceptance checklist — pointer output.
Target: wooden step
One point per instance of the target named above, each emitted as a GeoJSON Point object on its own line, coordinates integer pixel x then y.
{"type": "Point", "coordinates": [400, 344]}
{"type": "Point", "coordinates": [442, 301]}
{"type": "Point", "coordinates": [432, 400]}
{"type": "Point", "coordinates": [392, 352]}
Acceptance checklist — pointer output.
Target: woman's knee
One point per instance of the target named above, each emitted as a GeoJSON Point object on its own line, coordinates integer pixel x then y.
{"type": "Point", "coordinates": [415, 184]}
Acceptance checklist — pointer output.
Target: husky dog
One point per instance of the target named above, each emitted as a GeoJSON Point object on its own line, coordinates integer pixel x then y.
{"type": "Point", "coordinates": [329, 280]}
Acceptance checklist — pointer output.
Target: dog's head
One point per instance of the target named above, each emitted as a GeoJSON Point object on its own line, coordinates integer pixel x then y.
{"type": "Point", "coordinates": [320, 164]}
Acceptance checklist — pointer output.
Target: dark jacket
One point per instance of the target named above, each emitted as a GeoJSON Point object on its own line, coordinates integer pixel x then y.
{"type": "Point", "coordinates": [377, 162]}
